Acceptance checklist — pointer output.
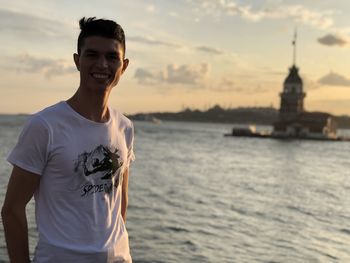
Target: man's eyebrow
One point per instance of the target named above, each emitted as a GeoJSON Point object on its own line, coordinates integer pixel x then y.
{"type": "Point", "coordinates": [95, 51]}
{"type": "Point", "coordinates": [113, 53]}
{"type": "Point", "coordinates": [90, 51]}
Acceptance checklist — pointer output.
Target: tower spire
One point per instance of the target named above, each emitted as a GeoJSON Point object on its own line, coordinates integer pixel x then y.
{"type": "Point", "coordinates": [294, 43]}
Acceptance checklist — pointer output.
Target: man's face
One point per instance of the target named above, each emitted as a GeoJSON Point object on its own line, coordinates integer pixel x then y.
{"type": "Point", "coordinates": [100, 63]}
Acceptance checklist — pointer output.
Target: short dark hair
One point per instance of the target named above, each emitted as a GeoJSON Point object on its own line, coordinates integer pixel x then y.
{"type": "Point", "coordinates": [100, 27]}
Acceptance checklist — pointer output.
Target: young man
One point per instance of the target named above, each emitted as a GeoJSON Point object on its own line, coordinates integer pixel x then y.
{"type": "Point", "coordinates": [74, 157]}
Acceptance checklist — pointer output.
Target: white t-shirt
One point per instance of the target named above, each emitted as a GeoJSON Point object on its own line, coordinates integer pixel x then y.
{"type": "Point", "coordinates": [78, 202]}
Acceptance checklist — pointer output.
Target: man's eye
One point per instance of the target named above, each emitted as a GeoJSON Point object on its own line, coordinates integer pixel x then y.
{"type": "Point", "coordinates": [113, 57]}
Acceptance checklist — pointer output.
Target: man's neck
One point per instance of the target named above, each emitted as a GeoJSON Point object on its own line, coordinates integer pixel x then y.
{"type": "Point", "coordinates": [91, 106]}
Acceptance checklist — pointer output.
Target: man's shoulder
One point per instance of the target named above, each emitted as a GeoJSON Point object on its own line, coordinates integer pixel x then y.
{"type": "Point", "coordinates": [122, 119]}
{"type": "Point", "coordinates": [53, 109]}
{"type": "Point", "coordinates": [48, 115]}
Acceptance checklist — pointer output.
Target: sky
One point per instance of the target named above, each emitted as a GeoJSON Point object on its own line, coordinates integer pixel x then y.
{"type": "Point", "coordinates": [183, 53]}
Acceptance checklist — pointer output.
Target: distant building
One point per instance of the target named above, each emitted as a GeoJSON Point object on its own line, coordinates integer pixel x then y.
{"type": "Point", "coordinates": [293, 120]}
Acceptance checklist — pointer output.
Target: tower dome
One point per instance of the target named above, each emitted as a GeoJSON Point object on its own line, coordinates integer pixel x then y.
{"type": "Point", "coordinates": [293, 82]}
{"type": "Point", "coordinates": [293, 76]}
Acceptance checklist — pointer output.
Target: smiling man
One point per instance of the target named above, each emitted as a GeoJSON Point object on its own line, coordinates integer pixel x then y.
{"type": "Point", "coordinates": [74, 158]}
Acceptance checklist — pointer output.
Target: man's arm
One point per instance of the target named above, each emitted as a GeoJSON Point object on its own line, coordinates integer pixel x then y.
{"type": "Point", "coordinates": [125, 186]}
{"type": "Point", "coordinates": [20, 189]}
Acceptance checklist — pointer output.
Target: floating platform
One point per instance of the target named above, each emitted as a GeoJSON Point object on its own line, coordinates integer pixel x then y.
{"type": "Point", "coordinates": [267, 136]}
{"type": "Point", "coordinates": [250, 132]}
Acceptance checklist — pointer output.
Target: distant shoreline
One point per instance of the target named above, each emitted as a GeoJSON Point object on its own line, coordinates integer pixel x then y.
{"type": "Point", "coordinates": [246, 115]}
{"type": "Point", "coordinates": [216, 114]}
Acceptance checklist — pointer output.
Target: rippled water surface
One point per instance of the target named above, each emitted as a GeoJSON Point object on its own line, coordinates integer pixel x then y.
{"type": "Point", "coordinates": [196, 196]}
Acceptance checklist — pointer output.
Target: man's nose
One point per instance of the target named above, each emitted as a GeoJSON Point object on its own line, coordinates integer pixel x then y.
{"type": "Point", "coordinates": [102, 62]}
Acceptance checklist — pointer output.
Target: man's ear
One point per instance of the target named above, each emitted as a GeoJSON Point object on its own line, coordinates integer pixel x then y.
{"type": "Point", "coordinates": [76, 61]}
{"type": "Point", "coordinates": [125, 64]}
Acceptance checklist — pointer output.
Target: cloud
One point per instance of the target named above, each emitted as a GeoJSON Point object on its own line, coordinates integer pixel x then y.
{"type": "Point", "coordinates": [151, 8]}
{"type": "Point", "coordinates": [30, 26]}
{"type": "Point", "coordinates": [48, 67]}
{"type": "Point", "coordinates": [334, 79]}
{"type": "Point", "coordinates": [226, 85]}
{"type": "Point", "coordinates": [333, 40]}
{"type": "Point", "coordinates": [209, 50]}
{"type": "Point", "coordinates": [152, 42]}
{"type": "Point", "coordinates": [174, 74]}
{"type": "Point", "coordinates": [298, 13]}
{"type": "Point", "coordinates": [185, 74]}
{"type": "Point", "coordinates": [173, 14]}
{"type": "Point", "coordinates": [144, 76]}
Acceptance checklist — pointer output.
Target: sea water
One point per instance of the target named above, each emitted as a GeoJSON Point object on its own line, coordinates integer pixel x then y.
{"type": "Point", "coordinates": [197, 196]}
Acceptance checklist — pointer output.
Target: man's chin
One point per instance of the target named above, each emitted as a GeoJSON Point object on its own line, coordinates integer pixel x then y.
{"type": "Point", "coordinates": [99, 88]}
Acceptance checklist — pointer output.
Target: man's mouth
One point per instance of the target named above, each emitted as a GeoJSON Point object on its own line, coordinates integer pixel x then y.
{"type": "Point", "coordinates": [101, 76]}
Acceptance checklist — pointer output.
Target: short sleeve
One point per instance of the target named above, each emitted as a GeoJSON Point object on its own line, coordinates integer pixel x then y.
{"type": "Point", "coordinates": [32, 149]}
{"type": "Point", "coordinates": [129, 136]}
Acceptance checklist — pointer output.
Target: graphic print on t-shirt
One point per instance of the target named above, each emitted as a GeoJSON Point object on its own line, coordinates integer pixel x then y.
{"type": "Point", "coordinates": [99, 170]}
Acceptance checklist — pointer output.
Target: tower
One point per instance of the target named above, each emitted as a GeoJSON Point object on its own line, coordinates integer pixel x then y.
{"type": "Point", "coordinates": [294, 121]}
{"type": "Point", "coordinates": [292, 96]}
